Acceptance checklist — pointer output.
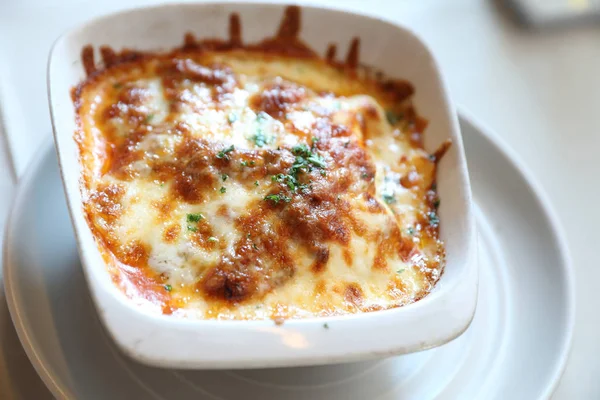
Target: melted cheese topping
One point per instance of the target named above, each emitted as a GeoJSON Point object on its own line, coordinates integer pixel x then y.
{"type": "Point", "coordinates": [239, 185]}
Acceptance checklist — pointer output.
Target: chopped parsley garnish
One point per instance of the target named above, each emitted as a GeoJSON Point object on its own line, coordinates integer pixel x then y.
{"type": "Point", "coordinates": [223, 189]}
{"type": "Point", "coordinates": [315, 140]}
{"type": "Point", "coordinates": [194, 217]}
{"type": "Point", "coordinates": [276, 198]}
{"type": "Point", "coordinates": [436, 203]}
{"type": "Point", "coordinates": [326, 325]}
{"type": "Point", "coordinates": [261, 116]}
{"type": "Point", "coordinates": [289, 180]}
{"type": "Point", "coordinates": [117, 85]}
{"type": "Point", "coordinates": [260, 139]}
{"type": "Point", "coordinates": [365, 175]}
{"type": "Point", "coordinates": [255, 183]}
{"type": "Point", "coordinates": [432, 157]}
{"type": "Point", "coordinates": [244, 163]}
{"type": "Point", "coordinates": [388, 198]}
{"type": "Point", "coordinates": [248, 236]}
{"type": "Point", "coordinates": [301, 150]}
{"type": "Point", "coordinates": [254, 246]}
{"type": "Point", "coordinates": [224, 154]}
{"type": "Point", "coordinates": [317, 160]}
{"type": "Point", "coordinates": [213, 239]}
{"type": "Point", "coordinates": [434, 220]}
{"type": "Point", "coordinates": [346, 143]}
{"type": "Point", "coordinates": [168, 288]}
{"type": "Point", "coordinates": [305, 160]}
{"type": "Point", "coordinates": [410, 230]}
{"type": "Point", "coordinates": [393, 117]}
{"type": "Point", "coordinates": [231, 118]}
{"type": "Point", "coordinates": [401, 270]}
{"type": "Point", "coordinates": [323, 173]}
{"type": "Point", "coordinates": [149, 118]}
{"type": "Point", "coordinates": [224, 177]}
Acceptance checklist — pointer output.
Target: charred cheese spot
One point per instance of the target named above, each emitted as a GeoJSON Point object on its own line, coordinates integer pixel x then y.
{"type": "Point", "coordinates": [353, 294]}
{"type": "Point", "coordinates": [236, 184]}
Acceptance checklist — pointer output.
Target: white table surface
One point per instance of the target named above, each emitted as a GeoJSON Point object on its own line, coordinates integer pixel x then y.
{"type": "Point", "coordinates": [539, 91]}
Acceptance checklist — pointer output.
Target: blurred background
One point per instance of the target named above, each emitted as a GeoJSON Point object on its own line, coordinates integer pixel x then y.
{"type": "Point", "coordinates": [528, 70]}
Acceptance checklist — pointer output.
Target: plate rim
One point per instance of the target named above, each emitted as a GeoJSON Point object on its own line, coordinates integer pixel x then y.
{"type": "Point", "coordinates": [464, 116]}
{"type": "Point", "coordinates": [549, 212]}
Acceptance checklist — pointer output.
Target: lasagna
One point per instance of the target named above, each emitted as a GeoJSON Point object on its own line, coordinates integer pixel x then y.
{"type": "Point", "coordinates": [224, 181]}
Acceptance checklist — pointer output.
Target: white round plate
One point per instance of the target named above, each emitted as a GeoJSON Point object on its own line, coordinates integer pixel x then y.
{"type": "Point", "coordinates": [515, 348]}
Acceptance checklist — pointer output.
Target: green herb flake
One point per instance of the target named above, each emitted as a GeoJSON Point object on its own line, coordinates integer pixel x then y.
{"type": "Point", "coordinates": [315, 140]}
{"type": "Point", "coordinates": [261, 116]}
{"type": "Point", "coordinates": [149, 118]}
{"type": "Point", "coordinates": [432, 157]}
{"type": "Point", "coordinates": [256, 183]}
{"type": "Point", "coordinates": [248, 236]}
{"type": "Point", "coordinates": [260, 139]}
{"type": "Point", "coordinates": [223, 189]}
{"type": "Point", "coordinates": [117, 85]}
{"type": "Point", "coordinates": [436, 203]}
{"type": "Point", "coordinates": [244, 163]}
{"type": "Point", "coordinates": [224, 154]}
{"type": "Point", "coordinates": [231, 118]}
{"type": "Point", "coordinates": [192, 228]}
{"type": "Point", "coordinates": [317, 160]}
{"type": "Point", "coordinates": [254, 246]}
{"type": "Point", "coordinates": [276, 198]}
{"type": "Point", "coordinates": [168, 288]}
{"type": "Point", "coordinates": [213, 239]}
{"type": "Point", "coordinates": [194, 217]}
{"type": "Point", "coordinates": [301, 150]}
{"type": "Point", "coordinates": [410, 230]}
{"type": "Point", "coordinates": [224, 177]}
{"type": "Point", "coordinates": [401, 270]}
{"type": "Point", "coordinates": [388, 198]}
{"type": "Point", "coordinates": [393, 117]}
{"type": "Point", "coordinates": [434, 186]}
{"type": "Point", "coordinates": [434, 220]}
{"type": "Point", "coordinates": [326, 325]}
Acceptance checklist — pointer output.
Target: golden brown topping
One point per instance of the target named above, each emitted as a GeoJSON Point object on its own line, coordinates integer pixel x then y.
{"type": "Point", "coordinates": [134, 254]}
{"type": "Point", "coordinates": [171, 233]}
{"type": "Point", "coordinates": [276, 99]}
{"type": "Point", "coordinates": [259, 179]}
{"type": "Point", "coordinates": [353, 294]}
{"type": "Point", "coordinates": [106, 202]}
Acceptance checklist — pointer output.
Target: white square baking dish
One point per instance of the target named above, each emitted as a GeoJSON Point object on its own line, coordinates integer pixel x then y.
{"type": "Point", "coordinates": [180, 343]}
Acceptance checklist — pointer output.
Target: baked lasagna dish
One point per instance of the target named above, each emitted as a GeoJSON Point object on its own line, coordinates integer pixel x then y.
{"type": "Point", "coordinates": [224, 181]}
